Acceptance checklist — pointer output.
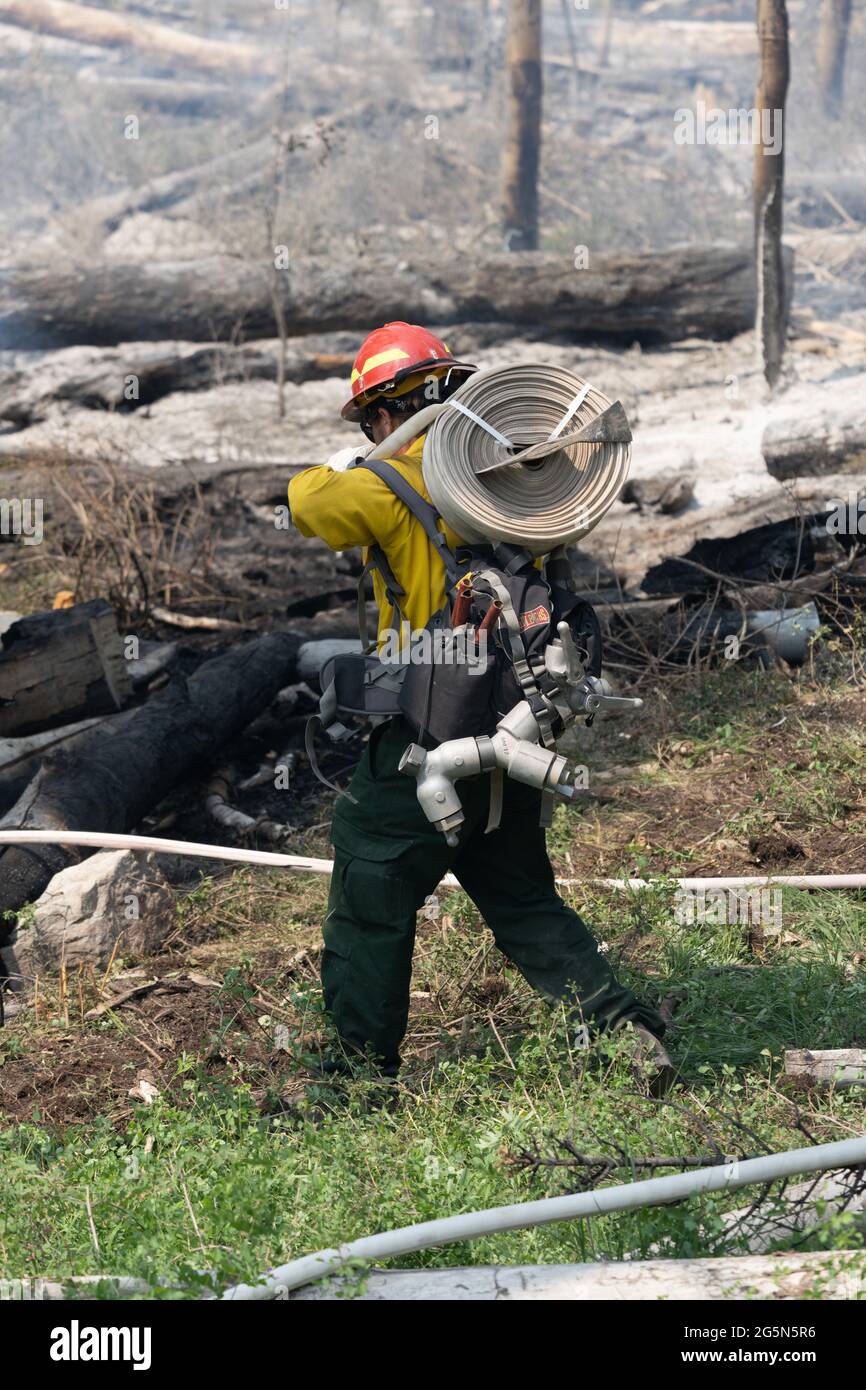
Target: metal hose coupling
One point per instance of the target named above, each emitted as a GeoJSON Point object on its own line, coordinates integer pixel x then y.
{"type": "Point", "coordinates": [516, 746]}
{"type": "Point", "coordinates": [437, 770]}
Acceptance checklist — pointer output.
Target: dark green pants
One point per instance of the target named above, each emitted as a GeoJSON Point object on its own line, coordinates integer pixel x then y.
{"type": "Point", "coordinates": [389, 859]}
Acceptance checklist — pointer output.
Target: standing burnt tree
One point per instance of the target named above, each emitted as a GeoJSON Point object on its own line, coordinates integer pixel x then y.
{"type": "Point", "coordinates": [832, 45]}
{"type": "Point", "coordinates": [606, 31]}
{"type": "Point", "coordinates": [768, 184]}
{"type": "Point", "coordinates": [523, 136]}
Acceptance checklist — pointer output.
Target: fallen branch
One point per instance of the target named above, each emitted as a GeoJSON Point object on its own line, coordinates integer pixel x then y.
{"type": "Point", "coordinates": [221, 811]}
{"type": "Point", "coordinates": [195, 624]}
{"type": "Point", "coordinates": [108, 29]}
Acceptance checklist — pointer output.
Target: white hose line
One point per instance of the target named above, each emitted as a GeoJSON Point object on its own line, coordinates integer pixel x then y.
{"type": "Point", "coordinates": [100, 839]}
{"type": "Point", "coordinates": [409, 430]}
{"type": "Point", "coordinates": [651, 1193]}
{"type": "Point", "coordinates": [745, 881]}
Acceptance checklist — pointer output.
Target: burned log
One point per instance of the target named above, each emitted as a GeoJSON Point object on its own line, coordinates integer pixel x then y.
{"type": "Point", "coordinates": [87, 24]}
{"type": "Point", "coordinates": [117, 772]}
{"type": "Point", "coordinates": [242, 169]}
{"type": "Point", "coordinates": [21, 758]}
{"type": "Point", "coordinates": [127, 380]}
{"type": "Point", "coordinates": [706, 291]}
{"type": "Point", "coordinates": [59, 667]}
{"type": "Point", "coordinates": [778, 551]}
{"type": "Point", "coordinates": [826, 436]}
{"type": "Point", "coordinates": [669, 492]}
{"type": "Point", "coordinates": [135, 377]}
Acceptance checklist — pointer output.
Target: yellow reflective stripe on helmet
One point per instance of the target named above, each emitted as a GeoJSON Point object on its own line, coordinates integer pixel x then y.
{"type": "Point", "coordinates": [380, 358]}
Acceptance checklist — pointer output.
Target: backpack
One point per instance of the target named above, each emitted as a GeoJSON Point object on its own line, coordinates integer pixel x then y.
{"type": "Point", "coordinates": [480, 654]}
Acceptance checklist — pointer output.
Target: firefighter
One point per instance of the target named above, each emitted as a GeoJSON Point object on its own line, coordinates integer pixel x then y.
{"type": "Point", "coordinates": [388, 858]}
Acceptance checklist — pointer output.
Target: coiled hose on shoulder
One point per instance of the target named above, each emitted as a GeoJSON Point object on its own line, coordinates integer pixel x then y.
{"type": "Point", "coordinates": [501, 462]}
{"type": "Point", "coordinates": [551, 496]}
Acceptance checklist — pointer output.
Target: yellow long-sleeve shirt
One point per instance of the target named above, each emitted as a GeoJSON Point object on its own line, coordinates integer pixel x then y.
{"type": "Point", "coordinates": [355, 508]}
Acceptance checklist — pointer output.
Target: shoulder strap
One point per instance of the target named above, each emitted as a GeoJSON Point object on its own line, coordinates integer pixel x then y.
{"type": "Point", "coordinates": [421, 509]}
{"type": "Point", "coordinates": [393, 592]}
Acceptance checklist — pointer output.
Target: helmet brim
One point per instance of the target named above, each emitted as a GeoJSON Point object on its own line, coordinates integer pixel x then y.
{"type": "Point", "coordinates": [354, 408]}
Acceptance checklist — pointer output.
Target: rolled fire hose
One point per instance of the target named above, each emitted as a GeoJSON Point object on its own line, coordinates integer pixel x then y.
{"type": "Point", "coordinates": [501, 462]}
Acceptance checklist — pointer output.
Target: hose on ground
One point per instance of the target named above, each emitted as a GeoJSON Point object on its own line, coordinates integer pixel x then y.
{"type": "Point", "coordinates": [103, 839]}
{"type": "Point", "coordinates": [387, 1245]}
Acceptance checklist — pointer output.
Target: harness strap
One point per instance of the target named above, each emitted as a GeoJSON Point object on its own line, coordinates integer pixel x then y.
{"type": "Point", "coordinates": [494, 815]}
{"type": "Point", "coordinates": [528, 683]}
{"type": "Point", "coordinates": [557, 567]}
{"type": "Point", "coordinates": [314, 723]}
{"type": "Point", "coordinates": [511, 558]}
{"type": "Point", "coordinates": [377, 560]}
{"type": "Point", "coordinates": [421, 509]}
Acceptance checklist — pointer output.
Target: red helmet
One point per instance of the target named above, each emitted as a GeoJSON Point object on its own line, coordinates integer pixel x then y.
{"type": "Point", "coordinates": [390, 355]}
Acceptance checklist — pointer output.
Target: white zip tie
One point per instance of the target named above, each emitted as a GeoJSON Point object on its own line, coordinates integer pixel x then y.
{"type": "Point", "coordinates": [464, 410]}
{"type": "Point", "coordinates": [574, 405]}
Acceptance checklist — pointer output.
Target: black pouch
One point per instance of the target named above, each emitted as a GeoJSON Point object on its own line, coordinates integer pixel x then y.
{"type": "Point", "coordinates": [356, 684]}
{"type": "Point", "coordinates": [449, 692]}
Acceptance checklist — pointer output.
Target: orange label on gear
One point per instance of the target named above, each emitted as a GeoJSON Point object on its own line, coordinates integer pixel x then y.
{"type": "Point", "coordinates": [534, 618]}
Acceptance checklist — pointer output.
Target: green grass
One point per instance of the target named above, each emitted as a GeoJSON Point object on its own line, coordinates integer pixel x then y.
{"type": "Point", "coordinates": [230, 1173]}
{"type": "Point", "coordinates": [207, 1179]}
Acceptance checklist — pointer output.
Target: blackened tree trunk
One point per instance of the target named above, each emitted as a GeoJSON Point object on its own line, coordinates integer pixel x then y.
{"type": "Point", "coordinates": [523, 136]}
{"type": "Point", "coordinates": [832, 45]}
{"type": "Point", "coordinates": [572, 45]}
{"type": "Point", "coordinates": [768, 185]}
{"type": "Point", "coordinates": [110, 776]}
